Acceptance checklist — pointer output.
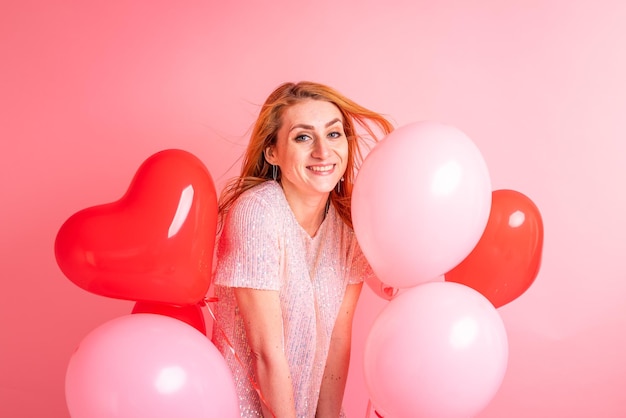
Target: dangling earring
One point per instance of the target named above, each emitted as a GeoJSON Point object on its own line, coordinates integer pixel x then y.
{"type": "Point", "coordinates": [274, 172]}
{"type": "Point", "coordinates": [339, 185]}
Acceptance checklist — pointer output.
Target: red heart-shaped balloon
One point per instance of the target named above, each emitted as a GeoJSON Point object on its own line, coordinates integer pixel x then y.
{"type": "Point", "coordinates": [506, 260]}
{"type": "Point", "coordinates": [190, 314]}
{"type": "Point", "coordinates": [155, 243]}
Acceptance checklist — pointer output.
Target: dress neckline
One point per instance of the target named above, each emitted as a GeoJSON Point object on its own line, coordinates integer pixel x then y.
{"type": "Point", "coordinates": [303, 231]}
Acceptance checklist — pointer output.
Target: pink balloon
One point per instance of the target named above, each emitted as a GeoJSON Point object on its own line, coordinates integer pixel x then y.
{"type": "Point", "coordinates": [420, 203]}
{"type": "Point", "coordinates": [436, 350]}
{"type": "Point", "coordinates": [148, 365]}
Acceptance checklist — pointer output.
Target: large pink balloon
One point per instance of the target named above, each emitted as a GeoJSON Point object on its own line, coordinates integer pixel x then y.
{"type": "Point", "coordinates": [420, 203]}
{"type": "Point", "coordinates": [148, 365]}
{"type": "Point", "coordinates": [436, 350]}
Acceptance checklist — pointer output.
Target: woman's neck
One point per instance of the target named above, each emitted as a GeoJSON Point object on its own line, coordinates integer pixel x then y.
{"type": "Point", "coordinates": [309, 212]}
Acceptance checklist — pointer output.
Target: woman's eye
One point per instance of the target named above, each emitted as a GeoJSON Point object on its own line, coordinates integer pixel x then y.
{"type": "Point", "coordinates": [334, 134]}
{"type": "Point", "coordinates": [302, 138]}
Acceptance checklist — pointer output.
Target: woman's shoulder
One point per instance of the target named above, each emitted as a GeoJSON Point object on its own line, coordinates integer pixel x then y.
{"type": "Point", "coordinates": [261, 198]}
{"type": "Point", "coordinates": [339, 225]}
{"type": "Point", "coordinates": [268, 191]}
{"type": "Point", "coordinates": [256, 209]}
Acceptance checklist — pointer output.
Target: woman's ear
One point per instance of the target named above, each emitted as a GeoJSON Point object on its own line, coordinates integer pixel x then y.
{"type": "Point", "coordinates": [269, 155]}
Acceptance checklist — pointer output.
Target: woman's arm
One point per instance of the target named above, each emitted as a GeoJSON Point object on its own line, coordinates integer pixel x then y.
{"type": "Point", "coordinates": [263, 321]}
{"type": "Point", "coordinates": [336, 371]}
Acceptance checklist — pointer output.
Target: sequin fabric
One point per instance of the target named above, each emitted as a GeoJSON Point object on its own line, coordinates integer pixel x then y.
{"type": "Point", "coordinates": [262, 246]}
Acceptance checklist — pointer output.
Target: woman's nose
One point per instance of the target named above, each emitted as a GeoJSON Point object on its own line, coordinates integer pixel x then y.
{"type": "Point", "coordinates": [321, 148]}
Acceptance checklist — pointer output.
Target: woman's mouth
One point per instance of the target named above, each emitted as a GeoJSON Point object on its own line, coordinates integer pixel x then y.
{"type": "Point", "coordinates": [322, 169]}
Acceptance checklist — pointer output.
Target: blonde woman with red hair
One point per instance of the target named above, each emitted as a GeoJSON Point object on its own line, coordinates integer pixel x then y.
{"type": "Point", "coordinates": [288, 269]}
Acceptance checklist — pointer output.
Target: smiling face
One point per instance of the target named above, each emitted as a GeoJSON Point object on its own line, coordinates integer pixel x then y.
{"type": "Point", "coordinates": [311, 148]}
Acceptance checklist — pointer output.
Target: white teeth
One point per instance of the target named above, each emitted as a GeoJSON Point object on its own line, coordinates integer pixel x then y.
{"type": "Point", "coordinates": [322, 168]}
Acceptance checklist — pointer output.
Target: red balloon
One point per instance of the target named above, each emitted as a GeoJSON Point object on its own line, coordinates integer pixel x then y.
{"type": "Point", "coordinates": [506, 260]}
{"type": "Point", "coordinates": [155, 243]}
{"type": "Point", "coordinates": [190, 314]}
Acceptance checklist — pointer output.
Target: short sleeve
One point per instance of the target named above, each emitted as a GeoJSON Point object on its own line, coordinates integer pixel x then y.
{"type": "Point", "coordinates": [248, 249]}
{"type": "Point", "coordinates": [360, 268]}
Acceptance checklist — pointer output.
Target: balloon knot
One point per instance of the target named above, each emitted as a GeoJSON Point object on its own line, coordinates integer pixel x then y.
{"type": "Point", "coordinates": [212, 299]}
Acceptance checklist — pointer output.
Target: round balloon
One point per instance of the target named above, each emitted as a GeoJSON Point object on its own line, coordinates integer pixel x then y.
{"type": "Point", "coordinates": [438, 349]}
{"type": "Point", "coordinates": [506, 260]}
{"type": "Point", "coordinates": [420, 203]}
{"type": "Point", "coordinates": [148, 365]}
{"type": "Point", "coordinates": [155, 243]}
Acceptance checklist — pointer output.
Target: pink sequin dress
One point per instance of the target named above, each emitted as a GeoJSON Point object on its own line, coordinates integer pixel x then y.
{"type": "Point", "coordinates": [262, 246]}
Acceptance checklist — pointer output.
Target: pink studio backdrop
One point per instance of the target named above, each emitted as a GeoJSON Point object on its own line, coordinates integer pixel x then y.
{"type": "Point", "coordinates": [88, 90]}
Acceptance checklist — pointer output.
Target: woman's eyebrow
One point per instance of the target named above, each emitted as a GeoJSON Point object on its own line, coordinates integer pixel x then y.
{"type": "Point", "coordinates": [311, 127]}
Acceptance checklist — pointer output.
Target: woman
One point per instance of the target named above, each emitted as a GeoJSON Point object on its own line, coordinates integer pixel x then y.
{"type": "Point", "coordinates": [289, 271]}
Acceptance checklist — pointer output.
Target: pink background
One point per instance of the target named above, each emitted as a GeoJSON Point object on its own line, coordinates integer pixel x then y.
{"type": "Point", "coordinates": [88, 90]}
